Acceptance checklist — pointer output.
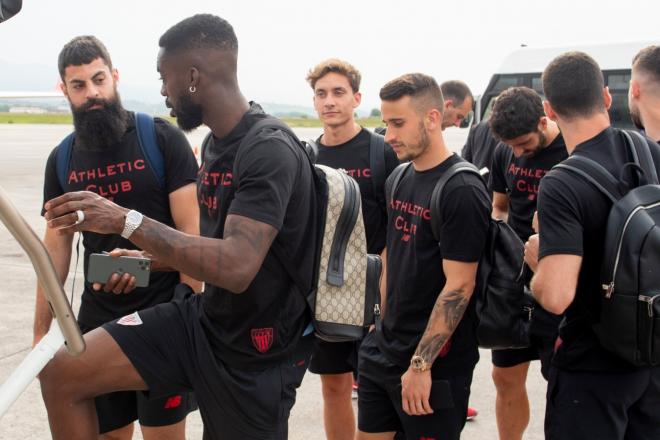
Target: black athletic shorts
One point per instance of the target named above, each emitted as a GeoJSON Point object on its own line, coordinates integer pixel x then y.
{"type": "Point", "coordinates": [543, 336]}
{"type": "Point", "coordinates": [116, 410]}
{"type": "Point", "coordinates": [170, 350]}
{"type": "Point", "coordinates": [334, 357]}
{"type": "Point", "coordinates": [379, 399]}
{"type": "Point", "coordinates": [585, 405]}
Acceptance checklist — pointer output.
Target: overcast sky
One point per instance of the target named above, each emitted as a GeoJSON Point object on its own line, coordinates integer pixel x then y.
{"type": "Point", "coordinates": [279, 40]}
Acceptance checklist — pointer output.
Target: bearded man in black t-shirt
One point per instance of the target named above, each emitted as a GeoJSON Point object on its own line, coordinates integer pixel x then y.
{"type": "Point", "coordinates": [242, 345]}
{"type": "Point", "coordinates": [426, 345]}
{"type": "Point", "coordinates": [530, 146]}
{"type": "Point", "coordinates": [106, 158]}
{"type": "Point", "coordinates": [592, 393]}
{"type": "Point", "coordinates": [345, 145]}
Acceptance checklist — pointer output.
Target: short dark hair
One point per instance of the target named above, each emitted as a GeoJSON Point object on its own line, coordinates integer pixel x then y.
{"type": "Point", "coordinates": [337, 66]}
{"type": "Point", "coordinates": [82, 50]}
{"type": "Point", "coordinates": [647, 61]}
{"type": "Point", "coordinates": [416, 85]}
{"type": "Point", "coordinates": [458, 91]}
{"type": "Point", "coordinates": [201, 31]}
{"type": "Point", "coordinates": [573, 84]}
{"type": "Point", "coordinates": [516, 112]}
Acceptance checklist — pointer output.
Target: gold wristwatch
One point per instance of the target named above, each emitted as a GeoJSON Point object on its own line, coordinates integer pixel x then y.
{"type": "Point", "coordinates": [418, 364]}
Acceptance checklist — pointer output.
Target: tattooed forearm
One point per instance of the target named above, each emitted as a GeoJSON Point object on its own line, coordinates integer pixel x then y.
{"type": "Point", "coordinates": [236, 228]}
{"type": "Point", "coordinates": [445, 317]}
{"type": "Point", "coordinates": [231, 262]}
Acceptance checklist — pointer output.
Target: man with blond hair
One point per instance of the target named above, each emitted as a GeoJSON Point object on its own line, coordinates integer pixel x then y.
{"type": "Point", "coordinates": [345, 144]}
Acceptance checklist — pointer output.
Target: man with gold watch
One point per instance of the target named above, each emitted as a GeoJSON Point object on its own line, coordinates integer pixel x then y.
{"type": "Point", "coordinates": [425, 344]}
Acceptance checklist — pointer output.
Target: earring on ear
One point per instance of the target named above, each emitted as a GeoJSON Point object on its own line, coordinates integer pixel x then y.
{"type": "Point", "coordinates": [192, 89]}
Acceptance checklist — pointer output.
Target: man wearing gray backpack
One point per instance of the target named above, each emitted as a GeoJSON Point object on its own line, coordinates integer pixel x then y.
{"type": "Point", "coordinates": [605, 380]}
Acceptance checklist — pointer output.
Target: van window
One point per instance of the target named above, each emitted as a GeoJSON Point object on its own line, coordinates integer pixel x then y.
{"type": "Point", "coordinates": [618, 83]}
{"type": "Point", "coordinates": [537, 85]}
{"type": "Point", "coordinates": [504, 82]}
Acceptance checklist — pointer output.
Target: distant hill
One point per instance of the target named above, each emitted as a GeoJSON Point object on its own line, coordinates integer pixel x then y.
{"type": "Point", "coordinates": [288, 111]}
{"type": "Point", "coordinates": [147, 99]}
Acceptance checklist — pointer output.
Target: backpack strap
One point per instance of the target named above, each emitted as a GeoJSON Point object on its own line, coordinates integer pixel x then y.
{"type": "Point", "coordinates": [63, 158]}
{"type": "Point", "coordinates": [639, 147]}
{"type": "Point", "coordinates": [146, 133]}
{"type": "Point", "coordinates": [460, 167]}
{"type": "Point", "coordinates": [312, 149]}
{"type": "Point", "coordinates": [594, 173]}
{"type": "Point", "coordinates": [205, 143]}
{"type": "Point", "coordinates": [392, 182]}
{"type": "Point", "coordinates": [377, 165]}
{"type": "Point", "coordinates": [286, 262]}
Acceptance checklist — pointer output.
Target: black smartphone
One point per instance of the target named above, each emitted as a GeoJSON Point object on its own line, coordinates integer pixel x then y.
{"type": "Point", "coordinates": [102, 266]}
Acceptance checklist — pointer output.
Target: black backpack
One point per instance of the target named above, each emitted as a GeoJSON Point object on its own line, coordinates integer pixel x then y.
{"type": "Point", "coordinates": [503, 308]}
{"type": "Point", "coordinates": [629, 323]}
{"type": "Point", "coordinates": [376, 162]}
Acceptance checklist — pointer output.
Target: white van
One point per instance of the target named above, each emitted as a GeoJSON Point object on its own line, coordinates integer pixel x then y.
{"type": "Point", "coordinates": [524, 67]}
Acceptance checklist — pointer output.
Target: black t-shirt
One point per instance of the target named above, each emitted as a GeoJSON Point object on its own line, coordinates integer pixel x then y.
{"type": "Point", "coordinates": [353, 156]}
{"type": "Point", "coordinates": [479, 147]}
{"type": "Point", "coordinates": [519, 178]}
{"type": "Point", "coordinates": [269, 180]}
{"type": "Point", "coordinates": [122, 175]}
{"type": "Point", "coordinates": [414, 261]}
{"type": "Point", "coordinates": [572, 219]}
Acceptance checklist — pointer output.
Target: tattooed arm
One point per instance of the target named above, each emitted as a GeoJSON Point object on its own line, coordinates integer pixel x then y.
{"type": "Point", "coordinates": [445, 317]}
{"type": "Point", "coordinates": [231, 262]}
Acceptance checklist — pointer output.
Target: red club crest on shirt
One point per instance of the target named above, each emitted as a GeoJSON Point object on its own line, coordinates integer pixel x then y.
{"type": "Point", "coordinates": [262, 338]}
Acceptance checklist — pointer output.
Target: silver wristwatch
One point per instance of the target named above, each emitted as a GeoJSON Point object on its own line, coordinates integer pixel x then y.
{"type": "Point", "coordinates": [132, 222]}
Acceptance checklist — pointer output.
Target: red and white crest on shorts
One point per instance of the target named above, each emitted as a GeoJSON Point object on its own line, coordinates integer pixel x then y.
{"type": "Point", "coordinates": [262, 338]}
{"type": "Point", "coordinates": [132, 319]}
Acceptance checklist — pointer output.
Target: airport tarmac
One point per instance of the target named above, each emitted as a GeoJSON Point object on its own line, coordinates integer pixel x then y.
{"type": "Point", "coordinates": [23, 153]}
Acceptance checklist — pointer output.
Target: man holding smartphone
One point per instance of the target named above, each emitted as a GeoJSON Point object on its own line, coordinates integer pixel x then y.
{"type": "Point", "coordinates": [243, 345]}
{"type": "Point", "coordinates": [107, 157]}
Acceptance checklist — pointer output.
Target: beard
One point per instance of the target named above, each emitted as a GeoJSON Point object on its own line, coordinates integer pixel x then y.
{"type": "Point", "coordinates": [99, 129]}
{"type": "Point", "coordinates": [412, 152]}
{"type": "Point", "coordinates": [188, 114]}
{"type": "Point", "coordinates": [636, 118]}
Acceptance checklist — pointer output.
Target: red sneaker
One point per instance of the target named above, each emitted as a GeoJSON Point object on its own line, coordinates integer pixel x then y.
{"type": "Point", "coordinates": [471, 413]}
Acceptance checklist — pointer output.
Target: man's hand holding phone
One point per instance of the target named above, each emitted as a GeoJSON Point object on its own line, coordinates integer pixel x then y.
{"type": "Point", "coordinates": [119, 271]}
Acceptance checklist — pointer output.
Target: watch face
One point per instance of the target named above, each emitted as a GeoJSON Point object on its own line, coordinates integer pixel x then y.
{"type": "Point", "coordinates": [133, 217]}
{"type": "Point", "coordinates": [417, 363]}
